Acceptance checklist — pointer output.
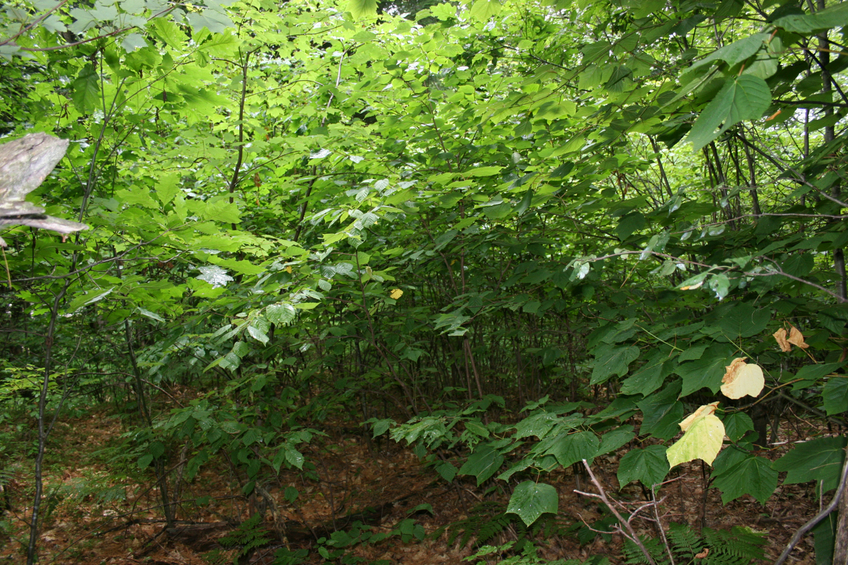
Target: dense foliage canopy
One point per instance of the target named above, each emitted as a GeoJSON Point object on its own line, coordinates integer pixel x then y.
{"type": "Point", "coordinates": [529, 233]}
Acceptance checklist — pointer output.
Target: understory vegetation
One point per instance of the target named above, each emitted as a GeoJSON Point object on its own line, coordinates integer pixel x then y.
{"type": "Point", "coordinates": [525, 256]}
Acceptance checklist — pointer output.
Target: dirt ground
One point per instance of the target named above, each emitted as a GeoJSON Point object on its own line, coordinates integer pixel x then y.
{"type": "Point", "coordinates": [96, 512]}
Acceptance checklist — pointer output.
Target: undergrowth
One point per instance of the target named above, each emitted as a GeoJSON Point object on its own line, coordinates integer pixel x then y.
{"type": "Point", "coordinates": [488, 520]}
{"type": "Point", "coordinates": [738, 546]}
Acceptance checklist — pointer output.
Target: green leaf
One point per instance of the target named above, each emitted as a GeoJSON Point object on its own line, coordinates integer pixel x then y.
{"type": "Point", "coordinates": [648, 378]}
{"type": "Point", "coordinates": [83, 300]}
{"type": "Point", "coordinates": [281, 314]}
{"type": "Point", "coordinates": [648, 466]}
{"type": "Point", "coordinates": [571, 448]}
{"type": "Point", "coordinates": [815, 460]}
{"type": "Point", "coordinates": [294, 457]}
{"type": "Point", "coordinates": [362, 8]}
{"type": "Point", "coordinates": [445, 238]}
{"type": "Point", "coordinates": [483, 10]}
{"type": "Point", "coordinates": [149, 314]}
{"type": "Point", "coordinates": [661, 412]}
{"type": "Point", "coordinates": [258, 334]}
{"type": "Point", "coordinates": [825, 536]}
{"type": "Point", "coordinates": [530, 500]}
{"type": "Point", "coordinates": [483, 171]}
{"type": "Point", "coordinates": [835, 395]}
{"type": "Point", "coordinates": [168, 31]}
{"type": "Point", "coordinates": [382, 426]}
{"type": "Point", "coordinates": [752, 475]}
{"type": "Point", "coordinates": [816, 372]}
{"type": "Point", "coordinates": [832, 17]}
{"type": "Point", "coordinates": [446, 470]}
{"type": "Point", "coordinates": [279, 457]}
{"type": "Point", "coordinates": [610, 360]}
{"type": "Point", "coordinates": [743, 320]}
{"type": "Point", "coordinates": [615, 439]}
{"type": "Point", "coordinates": [483, 463]}
{"type": "Point", "coordinates": [692, 353]}
{"type": "Point", "coordinates": [629, 224]}
{"type": "Point", "coordinates": [736, 52]}
{"type": "Point", "coordinates": [745, 97]}
{"type": "Point", "coordinates": [214, 20]}
{"type": "Point", "coordinates": [475, 427]}
{"type": "Point", "coordinates": [737, 425]}
{"type": "Point", "coordinates": [85, 90]}
{"type": "Point", "coordinates": [706, 372]}
{"type": "Point", "coordinates": [525, 203]}
{"type": "Point", "coordinates": [132, 42]}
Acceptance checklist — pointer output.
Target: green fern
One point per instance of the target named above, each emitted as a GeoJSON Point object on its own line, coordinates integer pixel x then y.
{"type": "Point", "coordinates": [739, 546]}
{"type": "Point", "coordinates": [633, 554]}
{"type": "Point", "coordinates": [685, 541]}
{"type": "Point", "coordinates": [484, 522]}
{"type": "Point", "coordinates": [6, 476]}
{"type": "Point", "coordinates": [489, 519]}
{"type": "Point", "coordinates": [526, 556]}
{"type": "Point", "coordinates": [247, 537]}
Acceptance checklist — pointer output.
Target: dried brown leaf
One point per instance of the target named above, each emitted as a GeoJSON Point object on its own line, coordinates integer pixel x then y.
{"type": "Point", "coordinates": [780, 336]}
{"type": "Point", "coordinates": [797, 338]}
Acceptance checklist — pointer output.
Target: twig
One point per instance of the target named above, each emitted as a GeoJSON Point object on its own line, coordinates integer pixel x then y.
{"type": "Point", "coordinates": [631, 533]}
{"type": "Point", "coordinates": [660, 524]}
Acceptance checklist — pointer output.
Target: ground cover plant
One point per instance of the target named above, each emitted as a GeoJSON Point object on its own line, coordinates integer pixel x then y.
{"type": "Point", "coordinates": [362, 282]}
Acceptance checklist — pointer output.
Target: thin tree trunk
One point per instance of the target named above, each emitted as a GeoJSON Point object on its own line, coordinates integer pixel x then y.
{"type": "Point", "coordinates": [32, 555]}
{"type": "Point", "coordinates": [144, 411]}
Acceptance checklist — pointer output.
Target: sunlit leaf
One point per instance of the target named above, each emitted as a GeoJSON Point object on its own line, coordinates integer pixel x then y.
{"type": "Point", "coordinates": [362, 8]}
{"type": "Point", "coordinates": [744, 98]}
{"type": "Point", "coordinates": [214, 275]}
{"type": "Point", "coordinates": [742, 379]}
{"type": "Point", "coordinates": [702, 440]}
{"type": "Point", "coordinates": [482, 10]}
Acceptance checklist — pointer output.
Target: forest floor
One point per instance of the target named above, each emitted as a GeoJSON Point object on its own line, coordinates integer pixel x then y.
{"type": "Point", "coordinates": [98, 509]}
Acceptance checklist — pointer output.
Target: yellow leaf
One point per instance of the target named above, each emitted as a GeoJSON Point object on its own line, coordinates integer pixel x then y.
{"type": "Point", "coordinates": [705, 410]}
{"type": "Point", "coordinates": [780, 336]}
{"type": "Point", "coordinates": [288, 269]}
{"type": "Point", "coordinates": [396, 293]}
{"type": "Point", "coordinates": [702, 441]}
{"type": "Point", "coordinates": [797, 338]}
{"type": "Point", "coordinates": [742, 379]}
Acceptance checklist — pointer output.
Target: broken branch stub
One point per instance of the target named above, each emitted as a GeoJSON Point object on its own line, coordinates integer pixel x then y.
{"type": "Point", "coordinates": [24, 164]}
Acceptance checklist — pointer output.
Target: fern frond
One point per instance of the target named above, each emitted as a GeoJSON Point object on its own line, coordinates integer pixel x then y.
{"type": "Point", "coordinates": [685, 541]}
{"type": "Point", "coordinates": [737, 546]}
{"type": "Point", "coordinates": [633, 553]}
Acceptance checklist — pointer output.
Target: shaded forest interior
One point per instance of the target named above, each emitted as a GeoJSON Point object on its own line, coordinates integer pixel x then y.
{"type": "Point", "coordinates": [423, 282]}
